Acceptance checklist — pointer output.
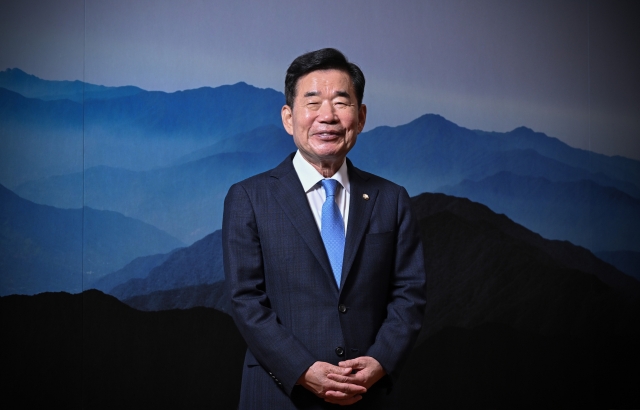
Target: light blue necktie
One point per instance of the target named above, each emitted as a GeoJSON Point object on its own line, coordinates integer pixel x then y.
{"type": "Point", "coordinates": [332, 229]}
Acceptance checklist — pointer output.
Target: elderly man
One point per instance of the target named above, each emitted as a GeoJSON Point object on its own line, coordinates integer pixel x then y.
{"type": "Point", "coordinates": [323, 261]}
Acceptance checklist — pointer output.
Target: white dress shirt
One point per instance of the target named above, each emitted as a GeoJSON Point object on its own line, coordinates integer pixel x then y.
{"type": "Point", "coordinates": [310, 179]}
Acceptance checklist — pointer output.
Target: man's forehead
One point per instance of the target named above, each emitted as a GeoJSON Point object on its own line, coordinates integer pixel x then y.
{"type": "Point", "coordinates": [313, 81]}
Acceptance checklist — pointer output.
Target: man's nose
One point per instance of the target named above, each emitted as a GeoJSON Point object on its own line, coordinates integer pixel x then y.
{"type": "Point", "coordinates": [327, 112]}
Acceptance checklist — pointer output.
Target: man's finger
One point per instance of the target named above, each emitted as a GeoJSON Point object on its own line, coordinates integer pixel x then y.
{"type": "Point", "coordinates": [348, 388]}
{"type": "Point", "coordinates": [338, 378]}
{"type": "Point", "coordinates": [339, 370]}
{"type": "Point", "coordinates": [341, 399]}
{"type": "Point", "coordinates": [353, 379]}
{"type": "Point", "coordinates": [354, 364]}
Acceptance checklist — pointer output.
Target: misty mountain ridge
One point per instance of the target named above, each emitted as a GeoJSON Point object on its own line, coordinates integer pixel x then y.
{"type": "Point", "coordinates": [192, 192]}
{"type": "Point", "coordinates": [269, 140]}
{"type": "Point", "coordinates": [603, 218]}
{"type": "Point", "coordinates": [46, 248]}
{"type": "Point", "coordinates": [138, 268]}
{"type": "Point", "coordinates": [153, 129]}
{"type": "Point", "coordinates": [182, 279]}
{"type": "Point", "coordinates": [437, 150]}
{"type": "Point", "coordinates": [198, 264]}
{"type": "Point", "coordinates": [616, 167]}
{"type": "Point", "coordinates": [443, 153]}
{"type": "Point", "coordinates": [30, 86]}
{"type": "Point", "coordinates": [139, 131]}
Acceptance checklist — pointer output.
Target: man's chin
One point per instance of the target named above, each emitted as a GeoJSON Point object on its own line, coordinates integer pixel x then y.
{"type": "Point", "coordinates": [331, 156]}
{"type": "Point", "coordinates": [333, 149]}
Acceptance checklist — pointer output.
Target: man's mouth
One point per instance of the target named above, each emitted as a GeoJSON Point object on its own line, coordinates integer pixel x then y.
{"type": "Point", "coordinates": [327, 135]}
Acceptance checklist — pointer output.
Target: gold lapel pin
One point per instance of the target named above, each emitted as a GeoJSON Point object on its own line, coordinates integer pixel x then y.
{"type": "Point", "coordinates": [365, 196]}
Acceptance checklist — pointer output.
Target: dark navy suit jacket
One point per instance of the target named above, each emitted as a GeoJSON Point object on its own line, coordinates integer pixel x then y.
{"type": "Point", "coordinates": [284, 298]}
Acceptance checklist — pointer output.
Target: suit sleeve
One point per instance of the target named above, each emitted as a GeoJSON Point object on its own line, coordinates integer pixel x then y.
{"type": "Point", "coordinates": [273, 345]}
{"type": "Point", "coordinates": [407, 299]}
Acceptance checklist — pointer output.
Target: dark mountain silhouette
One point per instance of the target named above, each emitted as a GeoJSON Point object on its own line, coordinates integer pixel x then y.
{"type": "Point", "coordinates": [513, 321]}
{"type": "Point", "coordinates": [585, 213]}
{"type": "Point", "coordinates": [210, 296]}
{"type": "Point", "coordinates": [31, 86]}
{"type": "Point", "coordinates": [91, 351]}
{"type": "Point", "coordinates": [565, 253]}
{"type": "Point", "coordinates": [517, 321]}
{"type": "Point", "coordinates": [484, 268]}
{"type": "Point", "coordinates": [625, 261]}
{"type": "Point", "coordinates": [198, 264]}
{"type": "Point", "coordinates": [46, 248]}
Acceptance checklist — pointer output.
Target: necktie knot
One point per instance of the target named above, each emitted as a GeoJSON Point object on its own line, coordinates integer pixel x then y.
{"type": "Point", "coordinates": [330, 186]}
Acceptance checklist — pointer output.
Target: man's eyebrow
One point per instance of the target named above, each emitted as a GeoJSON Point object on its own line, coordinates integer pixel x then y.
{"type": "Point", "coordinates": [344, 94]}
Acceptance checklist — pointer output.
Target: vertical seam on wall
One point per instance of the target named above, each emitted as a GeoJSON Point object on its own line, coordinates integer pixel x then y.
{"type": "Point", "coordinates": [84, 52]}
{"type": "Point", "coordinates": [589, 73]}
{"type": "Point", "coordinates": [84, 55]}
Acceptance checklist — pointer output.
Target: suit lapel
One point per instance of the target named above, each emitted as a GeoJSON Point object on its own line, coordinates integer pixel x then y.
{"type": "Point", "coordinates": [363, 198]}
{"type": "Point", "coordinates": [287, 189]}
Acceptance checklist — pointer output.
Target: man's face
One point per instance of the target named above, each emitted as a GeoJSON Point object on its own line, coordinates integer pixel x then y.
{"type": "Point", "coordinates": [325, 119]}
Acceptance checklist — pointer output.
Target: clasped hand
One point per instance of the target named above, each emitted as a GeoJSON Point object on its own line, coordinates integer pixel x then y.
{"type": "Point", "coordinates": [343, 384]}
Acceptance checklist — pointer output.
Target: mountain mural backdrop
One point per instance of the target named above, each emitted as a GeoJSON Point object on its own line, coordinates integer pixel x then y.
{"type": "Point", "coordinates": [166, 160]}
{"type": "Point", "coordinates": [115, 195]}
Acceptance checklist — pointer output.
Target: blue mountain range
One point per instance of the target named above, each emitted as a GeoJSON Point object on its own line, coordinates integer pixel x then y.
{"type": "Point", "coordinates": [168, 159]}
{"type": "Point", "coordinates": [138, 131]}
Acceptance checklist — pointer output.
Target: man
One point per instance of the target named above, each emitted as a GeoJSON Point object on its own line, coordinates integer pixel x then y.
{"type": "Point", "coordinates": [326, 278]}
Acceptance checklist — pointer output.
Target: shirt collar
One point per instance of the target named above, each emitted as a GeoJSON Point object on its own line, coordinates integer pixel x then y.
{"type": "Point", "coordinates": [310, 177]}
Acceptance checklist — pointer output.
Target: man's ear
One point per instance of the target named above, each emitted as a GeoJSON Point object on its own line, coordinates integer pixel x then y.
{"type": "Point", "coordinates": [287, 119]}
{"type": "Point", "coordinates": [362, 117]}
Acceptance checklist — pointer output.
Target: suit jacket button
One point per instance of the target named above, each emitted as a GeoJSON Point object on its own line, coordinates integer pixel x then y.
{"type": "Point", "coordinates": [342, 308]}
{"type": "Point", "coordinates": [339, 351]}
